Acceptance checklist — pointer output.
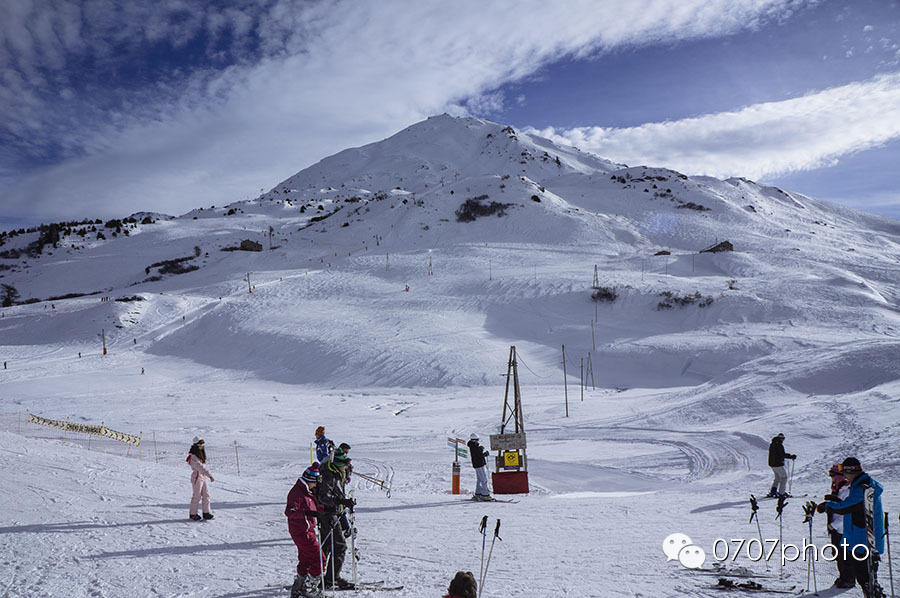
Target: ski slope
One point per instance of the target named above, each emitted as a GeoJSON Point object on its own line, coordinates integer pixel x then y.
{"type": "Point", "coordinates": [799, 334]}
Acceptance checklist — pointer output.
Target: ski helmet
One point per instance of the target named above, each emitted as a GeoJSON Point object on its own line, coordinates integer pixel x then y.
{"type": "Point", "coordinates": [851, 465]}
{"type": "Point", "coordinates": [196, 440]}
{"type": "Point", "coordinates": [474, 436]}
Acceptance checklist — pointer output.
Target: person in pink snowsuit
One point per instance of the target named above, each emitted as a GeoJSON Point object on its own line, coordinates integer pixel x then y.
{"type": "Point", "coordinates": [301, 512]}
{"type": "Point", "coordinates": [200, 477]}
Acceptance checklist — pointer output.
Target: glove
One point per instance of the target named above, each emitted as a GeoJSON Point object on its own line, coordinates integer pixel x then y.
{"type": "Point", "coordinates": [820, 508]}
{"type": "Point", "coordinates": [310, 513]}
{"type": "Point", "coordinates": [792, 457]}
{"type": "Point", "coordinates": [349, 503]}
{"type": "Point", "coordinates": [831, 497]}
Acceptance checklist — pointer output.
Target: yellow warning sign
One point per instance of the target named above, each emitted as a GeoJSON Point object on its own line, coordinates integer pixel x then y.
{"type": "Point", "coordinates": [511, 458]}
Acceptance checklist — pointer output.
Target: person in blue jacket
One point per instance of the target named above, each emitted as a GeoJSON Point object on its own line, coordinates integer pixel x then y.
{"type": "Point", "coordinates": [855, 536]}
{"type": "Point", "coordinates": [324, 447]}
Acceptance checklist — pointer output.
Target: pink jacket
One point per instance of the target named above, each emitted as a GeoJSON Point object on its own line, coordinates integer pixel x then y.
{"type": "Point", "coordinates": [299, 501]}
{"type": "Point", "coordinates": [199, 469]}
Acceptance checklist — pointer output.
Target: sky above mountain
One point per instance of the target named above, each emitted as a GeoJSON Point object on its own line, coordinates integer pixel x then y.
{"type": "Point", "coordinates": [107, 108]}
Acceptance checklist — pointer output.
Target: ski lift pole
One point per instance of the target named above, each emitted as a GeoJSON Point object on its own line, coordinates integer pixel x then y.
{"type": "Point", "coordinates": [755, 507]}
{"type": "Point", "coordinates": [490, 552]}
{"type": "Point", "coordinates": [887, 538]}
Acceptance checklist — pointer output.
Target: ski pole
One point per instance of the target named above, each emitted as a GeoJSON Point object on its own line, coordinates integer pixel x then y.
{"type": "Point", "coordinates": [490, 552]}
{"type": "Point", "coordinates": [782, 502]}
{"type": "Point", "coordinates": [333, 560]}
{"type": "Point", "coordinates": [809, 509]}
{"type": "Point", "coordinates": [353, 547]}
{"type": "Point", "coordinates": [887, 537]}
{"type": "Point", "coordinates": [321, 560]}
{"type": "Point", "coordinates": [483, 542]}
{"type": "Point", "coordinates": [791, 480]}
{"type": "Point", "coordinates": [755, 507]}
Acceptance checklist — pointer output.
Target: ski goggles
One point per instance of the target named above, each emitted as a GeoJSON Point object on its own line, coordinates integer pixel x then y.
{"type": "Point", "coordinates": [842, 469]}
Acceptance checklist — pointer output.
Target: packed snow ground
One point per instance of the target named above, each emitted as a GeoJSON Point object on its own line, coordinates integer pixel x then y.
{"type": "Point", "coordinates": [801, 337]}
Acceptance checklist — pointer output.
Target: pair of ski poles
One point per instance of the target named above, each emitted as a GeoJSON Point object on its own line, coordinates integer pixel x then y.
{"type": "Point", "coordinates": [482, 574]}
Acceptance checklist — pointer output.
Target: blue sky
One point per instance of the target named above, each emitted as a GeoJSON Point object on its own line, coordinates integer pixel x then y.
{"type": "Point", "coordinates": [108, 107]}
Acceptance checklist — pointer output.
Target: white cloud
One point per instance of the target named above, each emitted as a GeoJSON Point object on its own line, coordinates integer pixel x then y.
{"type": "Point", "coordinates": [760, 140]}
{"type": "Point", "coordinates": [323, 76]}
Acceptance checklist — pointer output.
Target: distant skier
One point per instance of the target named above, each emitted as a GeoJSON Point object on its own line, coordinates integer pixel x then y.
{"type": "Point", "coordinates": [840, 488]}
{"type": "Point", "coordinates": [863, 525]}
{"type": "Point", "coordinates": [324, 447]}
{"type": "Point", "coordinates": [463, 585]}
{"type": "Point", "coordinates": [332, 502]}
{"type": "Point", "coordinates": [479, 456]}
{"type": "Point", "coordinates": [199, 477]}
{"type": "Point", "coordinates": [777, 455]}
{"type": "Point", "coordinates": [302, 512]}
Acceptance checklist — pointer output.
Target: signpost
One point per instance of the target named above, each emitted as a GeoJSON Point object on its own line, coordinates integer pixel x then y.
{"type": "Point", "coordinates": [458, 451]}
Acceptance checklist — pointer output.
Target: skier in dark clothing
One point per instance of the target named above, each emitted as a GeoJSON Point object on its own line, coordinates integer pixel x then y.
{"type": "Point", "coordinates": [777, 455]}
{"type": "Point", "coordinates": [479, 455]}
{"type": "Point", "coordinates": [332, 502]}
{"type": "Point", "coordinates": [863, 525]}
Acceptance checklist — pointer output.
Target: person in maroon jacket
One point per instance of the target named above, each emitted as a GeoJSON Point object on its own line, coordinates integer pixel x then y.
{"type": "Point", "coordinates": [301, 511]}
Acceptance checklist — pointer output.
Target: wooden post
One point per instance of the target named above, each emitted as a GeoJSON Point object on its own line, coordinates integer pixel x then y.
{"type": "Point", "coordinates": [582, 379]}
{"type": "Point", "coordinates": [236, 460]}
{"type": "Point", "coordinates": [249, 286]}
{"type": "Point", "coordinates": [103, 336]}
{"type": "Point", "coordinates": [565, 380]}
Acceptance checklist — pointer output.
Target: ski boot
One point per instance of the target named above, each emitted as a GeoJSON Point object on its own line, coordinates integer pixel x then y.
{"type": "Point", "coordinates": [207, 516]}
{"type": "Point", "coordinates": [298, 590]}
{"type": "Point", "coordinates": [313, 587]}
{"type": "Point", "coordinates": [196, 517]}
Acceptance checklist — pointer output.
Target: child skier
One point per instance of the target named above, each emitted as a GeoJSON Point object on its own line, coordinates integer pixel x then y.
{"type": "Point", "coordinates": [324, 447]}
{"type": "Point", "coordinates": [777, 455]}
{"type": "Point", "coordinates": [479, 455]}
{"type": "Point", "coordinates": [840, 488]}
{"type": "Point", "coordinates": [301, 512]}
{"type": "Point", "coordinates": [199, 476]}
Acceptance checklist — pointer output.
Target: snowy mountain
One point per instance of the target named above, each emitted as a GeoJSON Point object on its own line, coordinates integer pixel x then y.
{"type": "Point", "coordinates": [695, 358]}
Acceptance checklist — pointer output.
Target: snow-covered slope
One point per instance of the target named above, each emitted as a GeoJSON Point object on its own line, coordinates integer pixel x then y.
{"type": "Point", "coordinates": [391, 282]}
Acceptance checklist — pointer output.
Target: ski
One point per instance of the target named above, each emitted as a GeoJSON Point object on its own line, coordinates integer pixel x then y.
{"type": "Point", "coordinates": [729, 585]}
{"type": "Point", "coordinates": [367, 586]}
{"type": "Point", "coordinates": [789, 497]}
{"type": "Point", "coordinates": [492, 499]}
{"type": "Point", "coordinates": [736, 572]}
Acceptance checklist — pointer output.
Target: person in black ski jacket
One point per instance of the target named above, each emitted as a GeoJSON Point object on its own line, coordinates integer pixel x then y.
{"type": "Point", "coordinates": [479, 455]}
{"type": "Point", "coordinates": [777, 455]}
{"type": "Point", "coordinates": [332, 502]}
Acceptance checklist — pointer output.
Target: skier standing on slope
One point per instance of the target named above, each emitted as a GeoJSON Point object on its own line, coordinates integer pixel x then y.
{"type": "Point", "coordinates": [840, 488]}
{"type": "Point", "coordinates": [479, 456]}
{"type": "Point", "coordinates": [324, 447]}
{"type": "Point", "coordinates": [332, 502]}
{"type": "Point", "coordinates": [777, 455]}
{"type": "Point", "coordinates": [462, 586]}
{"type": "Point", "coordinates": [199, 476]}
{"type": "Point", "coordinates": [301, 512]}
{"type": "Point", "coordinates": [863, 525]}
